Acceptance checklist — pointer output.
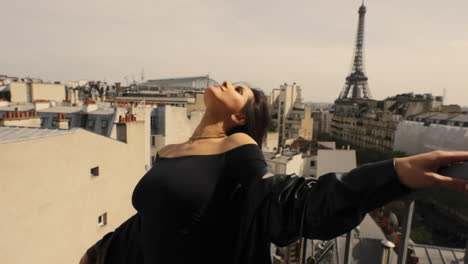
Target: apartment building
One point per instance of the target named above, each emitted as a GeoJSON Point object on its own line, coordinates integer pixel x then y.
{"type": "Point", "coordinates": [63, 189]}
{"type": "Point", "coordinates": [372, 124]}
{"type": "Point", "coordinates": [290, 117]}
{"type": "Point", "coordinates": [432, 131]}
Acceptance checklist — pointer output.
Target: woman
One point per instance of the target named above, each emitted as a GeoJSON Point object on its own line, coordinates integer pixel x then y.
{"type": "Point", "coordinates": [210, 199]}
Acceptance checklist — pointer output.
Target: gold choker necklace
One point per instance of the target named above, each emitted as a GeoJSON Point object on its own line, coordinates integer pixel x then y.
{"type": "Point", "coordinates": [200, 137]}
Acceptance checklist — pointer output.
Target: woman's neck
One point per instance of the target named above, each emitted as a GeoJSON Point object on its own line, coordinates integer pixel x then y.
{"type": "Point", "coordinates": [210, 125]}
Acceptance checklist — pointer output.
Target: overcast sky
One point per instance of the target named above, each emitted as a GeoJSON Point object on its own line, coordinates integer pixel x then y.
{"type": "Point", "coordinates": [418, 45]}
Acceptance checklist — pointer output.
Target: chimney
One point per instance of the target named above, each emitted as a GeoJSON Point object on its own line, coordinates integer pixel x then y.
{"type": "Point", "coordinates": [62, 122]}
{"type": "Point", "coordinates": [4, 102]}
{"type": "Point", "coordinates": [41, 104]}
{"type": "Point", "coordinates": [387, 247]}
{"type": "Point", "coordinates": [127, 118]}
{"type": "Point", "coordinates": [89, 106]}
{"type": "Point", "coordinates": [66, 102]}
{"type": "Point", "coordinates": [21, 119]}
{"type": "Point", "coordinates": [122, 126]}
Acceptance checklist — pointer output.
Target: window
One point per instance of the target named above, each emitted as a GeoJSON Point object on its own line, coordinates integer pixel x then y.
{"type": "Point", "coordinates": [153, 141]}
{"type": "Point", "coordinates": [43, 121]}
{"type": "Point", "coordinates": [54, 122]}
{"type": "Point", "coordinates": [102, 219]}
{"type": "Point", "coordinates": [312, 163]}
{"type": "Point", "coordinates": [95, 171]}
{"type": "Point", "coordinates": [90, 123]}
{"type": "Point", "coordinates": [104, 124]}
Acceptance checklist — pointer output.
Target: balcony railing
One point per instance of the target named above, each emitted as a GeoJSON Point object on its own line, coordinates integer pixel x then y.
{"type": "Point", "coordinates": [325, 249]}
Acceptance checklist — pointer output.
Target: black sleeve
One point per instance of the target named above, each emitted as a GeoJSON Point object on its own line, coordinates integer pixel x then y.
{"type": "Point", "coordinates": [330, 206]}
{"type": "Point", "coordinates": [120, 238]}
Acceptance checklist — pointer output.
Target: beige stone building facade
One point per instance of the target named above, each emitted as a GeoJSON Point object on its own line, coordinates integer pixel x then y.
{"type": "Point", "coordinates": [64, 189]}
{"type": "Point", "coordinates": [372, 124]}
{"type": "Point", "coordinates": [290, 117]}
{"type": "Point", "coordinates": [30, 91]}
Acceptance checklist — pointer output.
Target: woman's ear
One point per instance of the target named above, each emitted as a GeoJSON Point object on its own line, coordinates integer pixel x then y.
{"type": "Point", "coordinates": [238, 119]}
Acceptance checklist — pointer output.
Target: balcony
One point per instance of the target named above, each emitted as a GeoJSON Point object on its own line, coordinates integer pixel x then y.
{"type": "Point", "coordinates": [378, 239]}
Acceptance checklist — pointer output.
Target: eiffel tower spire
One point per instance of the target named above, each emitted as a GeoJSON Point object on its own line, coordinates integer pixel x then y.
{"type": "Point", "coordinates": [356, 86]}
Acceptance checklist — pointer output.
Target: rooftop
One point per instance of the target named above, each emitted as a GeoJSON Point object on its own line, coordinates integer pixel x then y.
{"type": "Point", "coordinates": [12, 134]}
{"type": "Point", "coordinates": [21, 107]}
{"type": "Point", "coordinates": [181, 78]}
{"type": "Point", "coordinates": [433, 254]}
{"type": "Point", "coordinates": [61, 109]}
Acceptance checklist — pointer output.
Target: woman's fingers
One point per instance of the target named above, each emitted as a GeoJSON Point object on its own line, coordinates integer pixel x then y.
{"type": "Point", "coordinates": [452, 157]}
{"type": "Point", "coordinates": [450, 183]}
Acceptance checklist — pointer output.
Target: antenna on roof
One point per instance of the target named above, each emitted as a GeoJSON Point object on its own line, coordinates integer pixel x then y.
{"type": "Point", "coordinates": [444, 96]}
{"type": "Point", "coordinates": [142, 74]}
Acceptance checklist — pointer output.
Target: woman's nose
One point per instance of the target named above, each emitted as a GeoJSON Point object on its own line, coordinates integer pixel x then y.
{"type": "Point", "coordinates": [227, 84]}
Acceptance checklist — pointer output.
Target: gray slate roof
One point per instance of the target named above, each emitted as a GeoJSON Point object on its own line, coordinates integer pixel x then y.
{"type": "Point", "coordinates": [11, 134]}
{"type": "Point", "coordinates": [432, 254]}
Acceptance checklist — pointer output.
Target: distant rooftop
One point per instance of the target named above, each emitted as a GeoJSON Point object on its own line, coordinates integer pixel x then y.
{"type": "Point", "coordinates": [61, 109]}
{"type": "Point", "coordinates": [432, 254]}
{"type": "Point", "coordinates": [181, 78]}
{"type": "Point", "coordinates": [11, 134]}
{"type": "Point", "coordinates": [21, 107]}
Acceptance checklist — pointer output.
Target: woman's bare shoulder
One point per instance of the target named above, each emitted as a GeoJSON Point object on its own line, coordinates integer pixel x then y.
{"type": "Point", "coordinates": [167, 150]}
{"type": "Point", "coordinates": [238, 139]}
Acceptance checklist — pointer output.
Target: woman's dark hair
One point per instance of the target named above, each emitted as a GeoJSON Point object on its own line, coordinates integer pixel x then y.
{"type": "Point", "coordinates": [257, 117]}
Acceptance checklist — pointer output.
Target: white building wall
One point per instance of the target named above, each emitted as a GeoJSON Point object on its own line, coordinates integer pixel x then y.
{"type": "Point", "coordinates": [295, 165]}
{"type": "Point", "coordinates": [415, 138]}
{"type": "Point", "coordinates": [310, 166]}
{"type": "Point", "coordinates": [18, 91]}
{"type": "Point", "coordinates": [50, 202]}
{"type": "Point", "coordinates": [271, 142]}
{"type": "Point", "coordinates": [339, 161]}
{"type": "Point", "coordinates": [143, 113]}
{"type": "Point", "coordinates": [48, 91]}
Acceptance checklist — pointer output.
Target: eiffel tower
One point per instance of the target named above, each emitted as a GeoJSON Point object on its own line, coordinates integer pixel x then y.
{"type": "Point", "coordinates": [356, 86]}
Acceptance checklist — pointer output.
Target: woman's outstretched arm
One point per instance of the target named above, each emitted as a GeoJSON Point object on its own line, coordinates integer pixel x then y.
{"type": "Point", "coordinates": [334, 204]}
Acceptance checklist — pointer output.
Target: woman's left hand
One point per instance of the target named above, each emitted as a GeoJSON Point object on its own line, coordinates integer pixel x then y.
{"type": "Point", "coordinates": [420, 171]}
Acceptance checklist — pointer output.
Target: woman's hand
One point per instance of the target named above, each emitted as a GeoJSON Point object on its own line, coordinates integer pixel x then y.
{"type": "Point", "coordinates": [420, 171]}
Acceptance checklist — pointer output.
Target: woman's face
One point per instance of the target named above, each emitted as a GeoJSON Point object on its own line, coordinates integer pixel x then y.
{"type": "Point", "coordinates": [227, 98]}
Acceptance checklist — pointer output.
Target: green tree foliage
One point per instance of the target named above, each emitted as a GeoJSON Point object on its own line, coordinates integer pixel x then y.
{"type": "Point", "coordinates": [363, 155]}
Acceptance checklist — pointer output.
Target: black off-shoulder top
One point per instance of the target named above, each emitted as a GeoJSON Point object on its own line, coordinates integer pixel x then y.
{"type": "Point", "coordinates": [185, 204]}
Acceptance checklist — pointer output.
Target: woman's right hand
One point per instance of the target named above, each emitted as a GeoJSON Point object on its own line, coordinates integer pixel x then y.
{"type": "Point", "coordinates": [85, 259]}
{"type": "Point", "coordinates": [421, 171]}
